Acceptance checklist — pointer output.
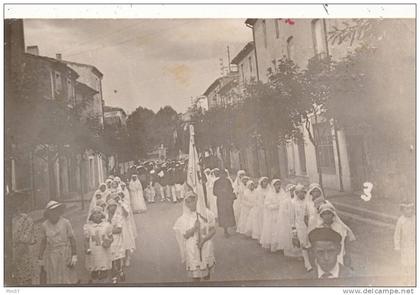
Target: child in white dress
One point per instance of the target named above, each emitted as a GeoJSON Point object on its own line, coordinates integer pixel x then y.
{"type": "Point", "coordinates": [248, 201]}
{"type": "Point", "coordinates": [117, 246]}
{"type": "Point", "coordinates": [255, 218]}
{"type": "Point", "coordinates": [129, 243]}
{"type": "Point", "coordinates": [300, 224]}
{"type": "Point", "coordinates": [98, 239]}
{"type": "Point", "coordinates": [238, 188]}
{"type": "Point", "coordinates": [194, 234]}
{"type": "Point", "coordinates": [405, 237]}
{"type": "Point", "coordinates": [329, 218]}
{"type": "Point", "coordinates": [271, 212]}
{"type": "Point", "coordinates": [262, 192]}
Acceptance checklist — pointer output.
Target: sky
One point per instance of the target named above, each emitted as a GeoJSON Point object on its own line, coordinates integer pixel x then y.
{"type": "Point", "coordinates": [145, 62]}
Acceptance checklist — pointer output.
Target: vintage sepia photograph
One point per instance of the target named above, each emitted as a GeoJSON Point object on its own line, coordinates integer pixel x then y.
{"type": "Point", "coordinates": [204, 150]}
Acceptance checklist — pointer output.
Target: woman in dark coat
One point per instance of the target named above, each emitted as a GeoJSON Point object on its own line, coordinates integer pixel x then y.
{"type": "Point", "coordinates": [223, 191]}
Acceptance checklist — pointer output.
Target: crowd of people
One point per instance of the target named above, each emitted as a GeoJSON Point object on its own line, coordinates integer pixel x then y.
{"type": "Point", "coordinates": [279, 216]}
{"type": "Point", "coordinates": [292, 219]}
{"type": "Point", "coordinates": [110, 231]}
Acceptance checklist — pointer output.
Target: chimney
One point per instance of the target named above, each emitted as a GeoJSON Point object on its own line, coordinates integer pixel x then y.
{"type": "Point", "coordinates": [32, 50]}
{"type": "Point", "coordinates": [58, 56]}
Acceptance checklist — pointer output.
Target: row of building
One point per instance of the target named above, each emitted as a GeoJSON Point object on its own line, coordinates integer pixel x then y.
{"type": "Point", "coordinates": [58, 173]}
{"type": "Point", "coordinates": [342, 158]}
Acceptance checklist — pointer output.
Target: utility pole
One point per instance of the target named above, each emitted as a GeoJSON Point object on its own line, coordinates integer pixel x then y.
{"type": "Point", "coordinates": [222, 68]}
{"type": "Point", "coordinates": [228, 55]}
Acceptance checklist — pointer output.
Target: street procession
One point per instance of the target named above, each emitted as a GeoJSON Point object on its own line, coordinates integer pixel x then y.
{"type": "Point", "coordinates": [210, 152]}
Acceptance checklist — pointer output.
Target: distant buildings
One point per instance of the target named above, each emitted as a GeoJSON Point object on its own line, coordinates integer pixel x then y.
{"type": "Point", "coordinates": [246, 63]}
{"type": "Point", "coordinates": [115, 117]}
{"type": "Point", "coordinates": [217, 92]}
{"type": "Point", "coordinates": [343, 159]}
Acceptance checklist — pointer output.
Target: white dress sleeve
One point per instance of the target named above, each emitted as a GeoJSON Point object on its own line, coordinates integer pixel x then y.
{"type": "Point", "coordinates": [180, 229]}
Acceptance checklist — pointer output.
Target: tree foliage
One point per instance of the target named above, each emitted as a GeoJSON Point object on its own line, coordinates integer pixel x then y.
{"type": "Point", "coordinates": [147, 130]}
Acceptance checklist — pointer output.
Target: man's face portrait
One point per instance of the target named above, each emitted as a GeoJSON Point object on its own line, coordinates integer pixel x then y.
{"type": "Point", "coordinates": [326, 253]}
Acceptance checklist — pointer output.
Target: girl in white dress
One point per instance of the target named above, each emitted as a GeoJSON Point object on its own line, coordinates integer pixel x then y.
{"type": "Point", "coordinates": [290, 188]}
{"type": "Point", "coordinates": [238, 190]}
{"type": "Point", "coordinates": [253, 197]}
{"type": "Point", "coordinates": [127, 200]}
{"type": "Point", "coordinates": [100, 194]}
{"type": "Point", "coordinates": [257, 212]}
{"type": "Point", "coordinates": [247, 202]}
{"type": "Point", "coordinates": [194, 234]}
{"type": "Point", "coordinates": [285, 224]}
{"type": "Point", "coordinates": [271, 208]}
{"type": "Point", "coordinates": [108, 183]}
{"type": "Point", "coordinates": [129, 242]}
{"type": "Point", "coordinates": [300, 224]}
{"type": "Point", "coordinates": [138, 204]}
{"type": "Point", "coordinates": [314, 192]}
{"type": "Point", "coordinates": [98, 239]}
{"type": "Point", "coordinates": [329, 218]}
{"type": "Point", "coordinates": [117, 246]}
{"type": "Point", "coordinates": [405, 237]}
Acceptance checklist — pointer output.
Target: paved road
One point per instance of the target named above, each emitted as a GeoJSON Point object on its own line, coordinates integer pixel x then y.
{"type": "Point", "coordinates": [157, 258]}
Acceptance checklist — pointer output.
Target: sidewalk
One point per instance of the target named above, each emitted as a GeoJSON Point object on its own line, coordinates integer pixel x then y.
{"type": "Point", "coordinates": [378, 211]}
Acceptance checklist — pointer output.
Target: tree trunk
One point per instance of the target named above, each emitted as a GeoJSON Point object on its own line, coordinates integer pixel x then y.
{"type": "Point", "coordinates": [33, 186]}
{"type": "Point", "coordinates": [340, 170]}
{"type": "Point", "coordinates": [81, 181]}
{"type": "Point", "coordinates": [51, 179]}
{"type": "Point", "coordinates": [257, 158]}
{"type": "Point", "coordinates": [317, 153]}
{"type": "Point", "coordinates": [313, 141]}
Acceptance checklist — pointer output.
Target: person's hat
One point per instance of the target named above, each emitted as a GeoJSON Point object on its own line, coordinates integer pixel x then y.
{"type": "Point", "coordinates": [326, 207]}
{"type": "Point", "coordinates": [53, 205]}
{"type": "Point", "coordinates": [108, 180]}
{"type": "Point", "coordinates": [324, 234]}
{"type": "Point", "coordinates": [290, 187]}
{"type": "Point", "coordinates": [97, 209]}
{"type": "Point", "coordinates": [300, 188]}
{"type": "Point", "coordinates": [274, 181]}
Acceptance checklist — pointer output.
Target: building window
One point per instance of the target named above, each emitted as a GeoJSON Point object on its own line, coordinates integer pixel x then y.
{"type": "Point", "coordinates": [290, 48]}
{"type": "Point", "coordinates": [58, 83]}
{"type": "Point", "coordinates": [250, 64]}
{"type": "Point", "coordinates": [319, 38]}
{"type": "Point", "coordinates": [276, 23]}
{"type": "Point", "coordinates": [324, 140]}
{"type": "Point", "coordinates": [265, 33]}
{"type": "Point", "coordinates": [302, 157]}
{"type": "Point", "coordinates": [242, 73]}
{"type": "Point", "coordinates": [70, 91]}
